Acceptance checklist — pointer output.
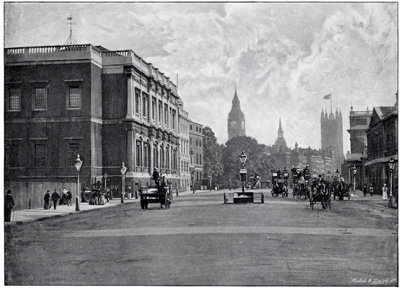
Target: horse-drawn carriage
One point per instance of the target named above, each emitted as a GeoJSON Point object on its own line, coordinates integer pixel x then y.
{"type": "Point", "coordinates": [279, 185]}
{"type": "Point", "coordinates": [300, 189]}
{"type": "Point", "coordinates": [340, 190]}
{"type": "Point", "coordinates": [155, 194]}
{"type": "Point", "coordinates": [320, 192]}
{"type": "Point", "coordinates": [300, 183]}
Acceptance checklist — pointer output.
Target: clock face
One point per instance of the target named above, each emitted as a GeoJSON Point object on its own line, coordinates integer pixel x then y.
{"type": "Point", "coordinates": [233, 123]}
{"type": "Point", "coordinates": [242, 124]}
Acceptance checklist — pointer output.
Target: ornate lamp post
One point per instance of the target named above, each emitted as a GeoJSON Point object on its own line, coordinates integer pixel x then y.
{"type": "Point", "coordinates": [123, 171]}
{"type": "Point", "coordinates": [354, 177]}
{"type": "Point", "coordinates": [243, 170]}
{"type": "Point", "coordinates": [391, 164]}
{"type": "Point", "coordinates": [78, 164]}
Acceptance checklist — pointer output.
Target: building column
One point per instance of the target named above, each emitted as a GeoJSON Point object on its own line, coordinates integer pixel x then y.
{"type": "Point", "coordinates": [151, 157]}
{"type": "Point", "coordinates": [130, 149]}
{"type": "Point", "coordinates": [130, 91]}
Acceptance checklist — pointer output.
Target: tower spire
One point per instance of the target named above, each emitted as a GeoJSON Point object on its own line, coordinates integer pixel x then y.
{"type": "Point", "coordinates": [71, 40]}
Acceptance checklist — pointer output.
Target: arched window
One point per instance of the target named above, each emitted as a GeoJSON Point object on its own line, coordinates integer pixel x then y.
{"type": "Point", "coordinates": [155, 156]}
{"type": "Point", "coordinates": [138, 153]}
{"type": "Point", "coordinates": [146, 154]}
{"type": "Point", "coordinates": [167, 157]}
{"type": "Point", "coordinates": [162, 163]}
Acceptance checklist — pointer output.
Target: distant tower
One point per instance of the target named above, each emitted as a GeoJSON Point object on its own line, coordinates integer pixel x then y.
{"type": "Point", "coordinates": [280, 143]}
{"type": "Point", "coordinates": [71, 40]}
{"type": "Point", "coordinates": [236, 121]}
{"type": "Point", "coordinates": [332, 136]}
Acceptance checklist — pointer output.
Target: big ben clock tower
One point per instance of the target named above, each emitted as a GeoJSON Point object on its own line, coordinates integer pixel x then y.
{"type": "Point", "coordinates": [236, 121]}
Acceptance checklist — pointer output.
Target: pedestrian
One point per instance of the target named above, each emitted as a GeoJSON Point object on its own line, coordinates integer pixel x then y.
{"type": "Point", "coordinates": [156, 176]}
{"type": "Point", "coordinates": [47, 200]}
{"type": "Point", "coordinates": [385, 192]}
{"type": "Point", "coordinates": [371, 190]}
{"type": "Point", "coordinates": [8, 206]}
{"type": "Point", "coordinates": [69, 197]}
{"type": "Point", "coordinates": [55, 197]}
{"type": "Point", "coordinates": [365, 190]}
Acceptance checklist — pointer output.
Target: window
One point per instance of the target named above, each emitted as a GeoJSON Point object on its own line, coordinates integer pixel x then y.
{"type": "Point", "coordinates": [155, 159]}
{"type": "Point", "coordinates": [137, 101]}
{"type": "Point", "coordinates": [153, 109]}
{"type": "Point", "coordinates": [146, 154]}
{"type": "Point", "coordinates": [160, 112]}
{"type": "Point", "coordinates": [73, 153]}
{"type": "Point", "coordinates": [167, 158]}
{"type": "Point", "coordinates": [40, 155]}
{"type": "Point", "coordinates": [199, 129]}
{"type": "Point", "coordinates": [74, 97]}
{"type": "Point", "coordinates": [199, 143]}
{"type": "Point", "coordinates": [166, 115]}
{"type": "Point", "coordinates": [14, 99]}
{"type": "Point", "coordinates": [173, 119]}
{"type": "Point", "coordinates": [190, 126]}
{"type": "Point", "coordinates": [145, 105]}
{"type": "Point", "coordinates": [39, 99]}
{"type": "Point", "coordinates": [162, 157]}
{"type": "Point", "coordinates": [138, 153]}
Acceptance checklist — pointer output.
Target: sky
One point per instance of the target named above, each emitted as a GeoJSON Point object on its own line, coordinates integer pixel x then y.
{"type": "Point", "coordinates": [281, 57]}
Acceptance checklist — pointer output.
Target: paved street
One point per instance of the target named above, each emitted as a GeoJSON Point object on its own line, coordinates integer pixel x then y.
{"type": "Point", "coordinates": [201, 241]}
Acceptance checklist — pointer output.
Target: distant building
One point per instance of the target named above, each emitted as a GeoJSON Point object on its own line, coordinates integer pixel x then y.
{"type": "Point", "coordinates": [184, 147]}
{"type": "Point", "coordinates": [280, 152]}
{"type": "Point", "coordinates": [236, 120]}
{"type": "Point", "coordinates": [332, 137]}
{"type": "Point", "coordinates": [382, 135]}
{"type": "Point", "coordinates": [196, 159]}
{"type": "Point", "coordinates": [359, 123]}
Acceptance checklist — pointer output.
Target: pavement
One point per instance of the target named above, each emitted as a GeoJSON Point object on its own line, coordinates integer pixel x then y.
{"type": "Point", "coordinates": [37, 214]}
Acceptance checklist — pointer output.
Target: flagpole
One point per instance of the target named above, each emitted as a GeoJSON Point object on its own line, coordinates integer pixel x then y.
{"type": "Point", "coordinates": [331, 102]}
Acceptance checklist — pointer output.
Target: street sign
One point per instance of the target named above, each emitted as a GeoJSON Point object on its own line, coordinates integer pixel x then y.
{"type": "Point", "coordinates": [243, 171]}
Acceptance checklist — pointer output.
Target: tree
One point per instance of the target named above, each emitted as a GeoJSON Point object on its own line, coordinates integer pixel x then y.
{"type": "Point", "coordinates": [258, 158]}
{"type": "Point", "coordinates": [212, 154]}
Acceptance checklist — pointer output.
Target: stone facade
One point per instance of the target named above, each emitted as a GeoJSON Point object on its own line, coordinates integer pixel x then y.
{"type": "Point", "coordinates": [196, 159]}
{"type": "Point", "coordinates": [108, 106]}
{"type": "Point", "coordinates": [332, 137]}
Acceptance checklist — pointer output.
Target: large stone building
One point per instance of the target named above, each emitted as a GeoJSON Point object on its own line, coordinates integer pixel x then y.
{"type": "Point", "coordinates": [359, 123]}
{"type": "Point", "coordinates": [109, 106]}
{"type": "Point", "coordinates": [236, 120]}
{"type": "Point", "coordinates": [184, 144]}
{"type": "Point", "coordinates": [196, 153]}
{"type": "Point", "coordinates": [382, 136]}
{"type": "Point", "coordinates": [332, 136]}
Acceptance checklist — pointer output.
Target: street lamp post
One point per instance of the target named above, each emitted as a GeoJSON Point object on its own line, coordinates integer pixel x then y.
{"type": "Point", "coordinates": [78, 164]}
{"type": "Point", "coordinates": [105, 185]}
{"type": "Point", "coordinates": [243, 170]}
{"type": "Point", "coordinates": [123, 171]}
{"type": "Point", "coordinates": [354, 177]}
{"type": "Point", "coordinates": [391, 164]}
{"type": "Point", "coordinates": [210, 177]}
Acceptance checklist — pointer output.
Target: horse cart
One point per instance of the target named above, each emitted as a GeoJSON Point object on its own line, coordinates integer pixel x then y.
{"type": "Point", "coordinates": [340, 190]}
{"type": "Point", "coordinates": [320, 192]}
{"type": "Point", "coordinates": [279, 187]}
{"type": "Point", "coordinates": [300, 189]}
{"type": "Point", "coordinates": [154, 194]}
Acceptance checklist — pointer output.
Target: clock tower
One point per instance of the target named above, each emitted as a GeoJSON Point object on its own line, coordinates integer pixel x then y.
{"type": "Point", "coordinates": [236, 121]}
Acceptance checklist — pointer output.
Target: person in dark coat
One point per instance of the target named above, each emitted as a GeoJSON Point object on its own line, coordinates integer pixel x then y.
{"type": "Point", "coordinates": [365, 190]}
{"type": "Point", "coordinates": [47, 200]}
{"type": "Point", "coordinates": [55, 197]}
{"type": "Point", "coordinates": [8, 206]}
{"type": "Point", "coordinates": [156, 176]}
{"type": "Point", "coordinates": [69, 197]}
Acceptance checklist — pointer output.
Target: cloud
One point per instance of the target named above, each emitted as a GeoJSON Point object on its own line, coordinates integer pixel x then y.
{"type": "Point", "coordinates": [283, 57]}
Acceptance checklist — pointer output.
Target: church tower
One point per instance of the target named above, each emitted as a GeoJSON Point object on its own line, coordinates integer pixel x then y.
{"type": "Point", "coordinates": [332, 136]}
{"type": "Point", "coordinates": [236, 121]}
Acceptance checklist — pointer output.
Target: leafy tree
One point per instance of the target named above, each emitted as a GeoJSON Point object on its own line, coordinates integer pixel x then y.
{"type": "Point", "coordinates": [212, 154]}
{"type": "Point", "coordinates": [258, 158]}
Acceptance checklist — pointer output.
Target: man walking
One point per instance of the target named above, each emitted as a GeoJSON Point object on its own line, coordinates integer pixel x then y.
{"type": "Point", "coordinates": [8, 206]}
{"type": "Point", "coordinates": [55, 196]}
